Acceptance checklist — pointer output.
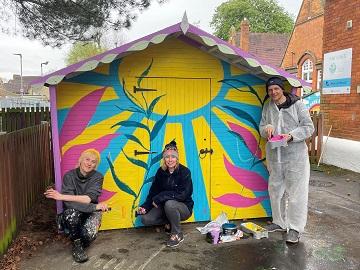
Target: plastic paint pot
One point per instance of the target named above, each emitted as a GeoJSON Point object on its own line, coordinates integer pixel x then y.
{"type": "Point", "coordinates": [229, 228]}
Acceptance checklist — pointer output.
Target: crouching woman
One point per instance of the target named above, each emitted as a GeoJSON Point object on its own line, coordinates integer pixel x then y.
{"type": "Point", "coordinates": [80, 191]}
{"type": "Point", "coordinates": [169, 200]}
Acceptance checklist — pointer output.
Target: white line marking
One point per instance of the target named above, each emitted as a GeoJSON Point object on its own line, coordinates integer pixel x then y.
{"type": "Point", "coordinates": [107, 265]}
{"type": "Point", "coordinates": [142, 267]}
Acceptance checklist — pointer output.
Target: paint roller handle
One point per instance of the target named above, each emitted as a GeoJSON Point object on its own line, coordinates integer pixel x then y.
{"type": "Point", "coordinates": [99, 210]}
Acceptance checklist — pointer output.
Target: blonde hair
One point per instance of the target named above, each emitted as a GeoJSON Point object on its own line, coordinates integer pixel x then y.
{"type": "Point", "coordinates": [90, 152]}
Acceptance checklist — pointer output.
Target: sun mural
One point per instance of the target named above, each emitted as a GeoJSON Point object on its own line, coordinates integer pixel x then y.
{"type": "Point", "coordinates": [129, 109]}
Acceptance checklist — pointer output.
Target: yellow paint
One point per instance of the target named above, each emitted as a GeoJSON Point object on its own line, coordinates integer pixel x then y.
{"type": "Point", "coordinates": [68, 94]}
{"type": "Point", "coordinates": [236, 71]}
{"type": "Point", "coordinates": [172, 59]}
{"type": "Point", "coordinates": [247, 97]}
{"type": "Point", "coordinates": [103, 69]}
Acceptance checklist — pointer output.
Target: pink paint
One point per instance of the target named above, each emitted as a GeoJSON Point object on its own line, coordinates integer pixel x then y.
{"type": "Point", "coordinates": [70, 157]}
{"type": "Point", "coordinates": [79, 116]}
{"type": "Point", "coordinates": [277, 138]}
{"type": "Point", "coordinates": [238, 201]}
{"type": "Point", "coordinates": [248, 179]}
{"type": "Point", "coordinates": [106, 195]}
{"type": "Point", "coordinates": [248, 137]}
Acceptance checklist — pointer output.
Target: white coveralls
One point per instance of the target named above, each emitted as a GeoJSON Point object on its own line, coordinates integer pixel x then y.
{"type": "Point", "coordinates": [288, 166]}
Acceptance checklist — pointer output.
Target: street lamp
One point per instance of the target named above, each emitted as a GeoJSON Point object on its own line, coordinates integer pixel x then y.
{"type": "Point", "coordinates": [21, 76]}
{"type": "Point", "coordinates": [43, 63]}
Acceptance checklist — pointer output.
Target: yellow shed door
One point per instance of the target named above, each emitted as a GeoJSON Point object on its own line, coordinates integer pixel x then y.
{"type": "Point", "coordinates": [173, 108]}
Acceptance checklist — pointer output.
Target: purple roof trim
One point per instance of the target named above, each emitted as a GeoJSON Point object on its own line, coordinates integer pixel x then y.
{"type": "Point", "coordinates": [168, 30]}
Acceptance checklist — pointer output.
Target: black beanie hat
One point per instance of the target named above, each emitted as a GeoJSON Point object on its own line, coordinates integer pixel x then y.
{"type": "Point", "coordinates": [275, 81]}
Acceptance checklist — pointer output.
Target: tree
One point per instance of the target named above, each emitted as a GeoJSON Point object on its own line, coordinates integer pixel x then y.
{"type": "Point", "coordinates": [82, 50]}
{"type": "Point", "coordinates": [57, 22]}
{"type": "Point", "coordinates": [264, 16]}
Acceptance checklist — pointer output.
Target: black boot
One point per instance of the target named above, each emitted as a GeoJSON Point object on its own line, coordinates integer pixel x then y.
{"type": "Point", "coordinates": [78, 252]}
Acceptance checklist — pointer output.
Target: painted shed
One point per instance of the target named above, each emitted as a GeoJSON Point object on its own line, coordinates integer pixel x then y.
{"type": "Point", "coordinates": [178, 83]}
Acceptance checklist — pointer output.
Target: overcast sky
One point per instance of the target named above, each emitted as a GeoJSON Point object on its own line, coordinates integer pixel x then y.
{"type": "Point", "coordinates": [156, 17]}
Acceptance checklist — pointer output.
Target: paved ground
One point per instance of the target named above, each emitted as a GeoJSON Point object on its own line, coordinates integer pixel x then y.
{"type": "Point", "coordinates": [331, 241]}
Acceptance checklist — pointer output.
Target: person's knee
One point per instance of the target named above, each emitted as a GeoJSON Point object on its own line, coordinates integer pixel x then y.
{"type": "Point", "coordinates": [148, 220]}
{"type": "Point", "coordinates": [170, 205]}
{"type": "Point", "coordinates": [72, 217]}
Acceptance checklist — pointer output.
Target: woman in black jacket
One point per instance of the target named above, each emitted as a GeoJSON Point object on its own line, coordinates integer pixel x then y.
{"type": "Point", "coordinates": [169, 200]}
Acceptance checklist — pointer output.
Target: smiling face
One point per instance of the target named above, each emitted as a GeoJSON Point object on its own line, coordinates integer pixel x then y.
{"type": "Point", "coordinates": [87, 163]}
{"type": "Point", "coordinates": [276, 93]}
{"type": "Point", "coordinates": [171, 162]}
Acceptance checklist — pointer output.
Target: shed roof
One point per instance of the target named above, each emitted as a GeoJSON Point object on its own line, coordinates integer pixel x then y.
{"type": "Point", "coordinates": [188, 33]}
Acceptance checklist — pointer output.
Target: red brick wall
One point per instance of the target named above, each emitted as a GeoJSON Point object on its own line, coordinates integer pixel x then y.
{"type": "Point", "coordinates": [343, 111]}
{"type": "Point", "coordinates": [307, 39]}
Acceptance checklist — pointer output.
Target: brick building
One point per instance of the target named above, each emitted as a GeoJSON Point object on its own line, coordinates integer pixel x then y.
{"type": "Point", "coordinates": [304, 53]}
{"type": "Point", "coordinates": [342, 31]}
{"type": "Point", "coordinates": [267, 46]}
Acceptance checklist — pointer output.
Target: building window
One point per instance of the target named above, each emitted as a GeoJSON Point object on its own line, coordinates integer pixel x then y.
{"type": "Point", "coordinates": [307, 70]}
{"type": "Point", "coordinates": [319, 79]}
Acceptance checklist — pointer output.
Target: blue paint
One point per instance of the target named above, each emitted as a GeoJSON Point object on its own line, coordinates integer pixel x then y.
{"type": "Point", "coordinates": [201, 204]}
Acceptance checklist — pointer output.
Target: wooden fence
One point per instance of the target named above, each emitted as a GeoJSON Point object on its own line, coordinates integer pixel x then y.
{"type": "Point", "coordinates": [19, 118]}
{"type": "Point", "coordinates": [26, 168]}
{"type": "Point", "coordinates": [315, 143]}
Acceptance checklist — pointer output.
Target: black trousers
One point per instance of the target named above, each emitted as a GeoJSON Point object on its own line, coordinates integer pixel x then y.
{"type": "Point", "coordinates": [171, 213]}
{"type": "Point", "coordinates": [84, 226]}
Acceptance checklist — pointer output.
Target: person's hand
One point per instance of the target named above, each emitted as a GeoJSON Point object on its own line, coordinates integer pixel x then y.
{"type": "Point", "coordinates": [269, 132]}
{"type": "Point", "coordinates": [141, 211]}
{"type": "Point", "coordinates": [287, 136]}
{"type": "Point", "coordinates": [102, 207]}
{"type": "Point", "coordinates": [53, 194]}
{"type": "Point", "coordinates": [154, 204]}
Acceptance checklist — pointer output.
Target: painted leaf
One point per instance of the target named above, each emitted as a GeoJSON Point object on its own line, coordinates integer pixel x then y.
{"type": "Point", "coordinates": [70, 157]}
{"type": "Point", "coordinates": [251, 89]}
{"type": "Point", "coordinates": [146, 104]}
{"type": "Point", "coordinates": [79, 116]}
{"type": "Point", "coordinates": [131, 97]}
{"type": "Point", "coordinates": [121, 185]}
{"type": "Point", "coordinates": [131, 124]}
{"type": "Point", "coordinates": [248, 138]}
{"type": "Point", "coordinates": [157, 127]}
{"type": "Point", "coordinates": [135, 139]}
{"type": "Point", "coordinates": [131, 109]}
{"type": "Point", "coordinates": [248, 179]}
{"type": "Point", "coordinates": [152, 105]}
{"type": "Point", "coordinates": [156, 159]}
{"type": "Point", "coordinates": [243, 115]}
{"type": "Point", "coordinates": [238, 201]}
{"type": "Point", "coordinates": [136, 162]}
{"type": "Point", "coordinates": [106, 195]}
{"type": "Point", "coordinates": [145, 73]}
{"type": "Point", "coordinates": [149, 180]}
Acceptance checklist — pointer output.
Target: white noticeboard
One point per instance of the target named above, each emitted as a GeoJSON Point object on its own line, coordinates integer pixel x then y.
{"type": "Point", "coordinates": [337, 72]}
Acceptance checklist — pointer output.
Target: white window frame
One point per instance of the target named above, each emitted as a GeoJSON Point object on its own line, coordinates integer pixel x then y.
{"type": "Point", "coordinates": [307, 69]}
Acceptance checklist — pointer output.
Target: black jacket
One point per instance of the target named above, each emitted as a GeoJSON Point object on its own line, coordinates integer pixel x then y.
{"type": "Point", "coordinates": [166, 186]}
{"type": "Point", "coordinates": [74, 183]}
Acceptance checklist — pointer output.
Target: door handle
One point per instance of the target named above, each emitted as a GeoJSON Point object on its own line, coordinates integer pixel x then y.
{"type": "Point", "coordinates": [204, 152]}
{"type": "Point", "coordinates": [136, 152]}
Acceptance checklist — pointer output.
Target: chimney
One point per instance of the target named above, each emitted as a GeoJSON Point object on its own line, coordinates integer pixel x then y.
{"type": "Point", "coordinates": [232, 35]}
{"type": "Point", "coordinates": [244, 35]}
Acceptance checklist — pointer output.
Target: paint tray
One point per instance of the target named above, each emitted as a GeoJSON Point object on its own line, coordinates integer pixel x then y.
{"type": "Point", "coordinates": [277, 141]}
{"type": "Point", "coordinates": [257, 231]}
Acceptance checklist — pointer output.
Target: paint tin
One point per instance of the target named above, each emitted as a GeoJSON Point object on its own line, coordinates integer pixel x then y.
{"type": "Point", "coordinates": [229, 228]}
